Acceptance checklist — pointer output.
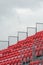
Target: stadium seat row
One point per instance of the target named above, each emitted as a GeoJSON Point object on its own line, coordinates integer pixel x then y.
{"type": "Point", "coordinates": [28, 48]}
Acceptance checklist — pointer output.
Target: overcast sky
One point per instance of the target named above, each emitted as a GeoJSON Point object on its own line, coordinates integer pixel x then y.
{"type": "Point", "coordinates": [16, 15]}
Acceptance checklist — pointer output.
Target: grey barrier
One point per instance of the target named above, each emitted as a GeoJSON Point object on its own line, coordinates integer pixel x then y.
{"type": "Point", "coordinates": [22, 35]}
{"type": "Point", "coordinates": [3, 45]}
{"type": "Point", "coordinates": [12, 40]}
{"type": "Point", "coordinates": [39, 27]}
{"type": "Point", "coordinates": [31, 31]}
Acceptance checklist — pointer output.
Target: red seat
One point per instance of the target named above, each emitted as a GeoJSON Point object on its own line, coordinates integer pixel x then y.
{"type": "Point", "coordinates": [35, 63]}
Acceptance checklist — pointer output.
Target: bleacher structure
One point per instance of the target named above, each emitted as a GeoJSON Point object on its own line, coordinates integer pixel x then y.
{"type": "Point", "coordinates": [24, 49]}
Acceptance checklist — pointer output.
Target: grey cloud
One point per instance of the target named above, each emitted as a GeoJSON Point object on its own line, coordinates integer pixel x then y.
{"type": "Point", "coordinates": [7, 5]}
{"type": "Point", "coordinates": [20, 3]}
